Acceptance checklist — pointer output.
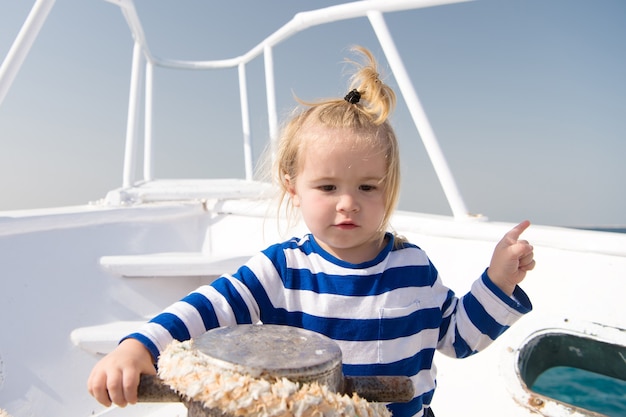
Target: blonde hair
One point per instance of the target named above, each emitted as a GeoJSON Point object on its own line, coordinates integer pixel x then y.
{"type": "Point", "coordinates": [367, 119]}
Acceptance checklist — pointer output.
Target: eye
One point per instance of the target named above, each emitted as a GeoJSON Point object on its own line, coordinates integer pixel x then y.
{"type": "Point", "coordinates": [327, 188]}
{"type": "Point", "coordinates": [367, 187]}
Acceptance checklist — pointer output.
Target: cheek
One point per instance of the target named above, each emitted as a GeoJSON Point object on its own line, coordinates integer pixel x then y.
{"type": "Point", "coordinates": [312, 203]}
{"type": "Point", "coordinates": [376, 205]}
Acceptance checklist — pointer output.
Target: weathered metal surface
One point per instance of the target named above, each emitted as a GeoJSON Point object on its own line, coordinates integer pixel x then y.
{"type": "Point", "coordinates": [196, 409]}
{"type": "Point", "coordinates": [271, 351]}
{"type": "Point", "coordinates": [380, 388]}
{"type": "Point", "coordinates": [152, 390]}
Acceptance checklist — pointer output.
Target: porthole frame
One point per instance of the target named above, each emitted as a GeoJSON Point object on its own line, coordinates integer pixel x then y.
{"type": "Point", "coordinates": [589, 346]}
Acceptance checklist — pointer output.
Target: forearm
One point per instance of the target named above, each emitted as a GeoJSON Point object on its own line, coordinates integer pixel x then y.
{"type": "Point", "coordinates": [480, 317]}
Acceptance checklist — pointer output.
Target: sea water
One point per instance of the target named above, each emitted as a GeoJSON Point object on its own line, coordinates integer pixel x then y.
{"type": "Point", "coordinates": [584, 389]}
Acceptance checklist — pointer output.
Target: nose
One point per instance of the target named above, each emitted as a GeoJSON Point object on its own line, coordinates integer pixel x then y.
{"type": "Point", "coordinates": [347, 202]}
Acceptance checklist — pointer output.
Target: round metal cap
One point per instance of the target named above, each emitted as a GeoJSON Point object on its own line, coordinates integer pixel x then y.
{"type": "Point", "coordinates": [273, 351]}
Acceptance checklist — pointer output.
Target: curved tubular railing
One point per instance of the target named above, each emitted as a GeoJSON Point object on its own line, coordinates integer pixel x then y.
{"type": "Point", "coordinates": [144, 62]}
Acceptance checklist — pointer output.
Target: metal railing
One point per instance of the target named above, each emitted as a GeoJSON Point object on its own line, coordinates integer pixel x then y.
{"type": "Point", "coordinates": [144, 62]}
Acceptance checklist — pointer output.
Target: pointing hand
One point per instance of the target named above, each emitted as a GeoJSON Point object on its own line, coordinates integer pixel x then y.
{"type": "Point", "coordinates": [511, 259]}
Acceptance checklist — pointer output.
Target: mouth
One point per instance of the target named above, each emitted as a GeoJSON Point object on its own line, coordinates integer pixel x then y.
{"type": "Point", "coordinates": [346, 225]}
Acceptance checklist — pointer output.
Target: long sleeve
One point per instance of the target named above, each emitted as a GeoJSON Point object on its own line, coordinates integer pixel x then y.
{"type": "Point", "coordinates": [472, 323]}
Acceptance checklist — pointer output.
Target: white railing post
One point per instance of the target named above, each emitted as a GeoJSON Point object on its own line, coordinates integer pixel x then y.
{"type": "Point", "coordinates": [132, 126]}
{"type": "Point", "coordinates": [424, 128]}
{"type": "Point", "coordinates": [148, 173]}
{"type": "Point", "coordinates": [270, 88]}
{"type": "Point", "coordinates": [245, 121]}
{"type": "Point", "coordinates": [22, 44]}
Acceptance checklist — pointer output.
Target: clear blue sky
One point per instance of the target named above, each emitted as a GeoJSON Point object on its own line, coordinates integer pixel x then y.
{"type": "Point", "coordinates": [527, 98]}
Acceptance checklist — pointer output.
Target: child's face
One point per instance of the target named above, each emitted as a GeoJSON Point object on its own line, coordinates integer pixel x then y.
{"type": "Point", "coordinates": [340, 194]}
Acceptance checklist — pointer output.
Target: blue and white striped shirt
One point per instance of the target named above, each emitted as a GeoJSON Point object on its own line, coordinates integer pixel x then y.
{"type": "Point", "coordinates": [388, 315]}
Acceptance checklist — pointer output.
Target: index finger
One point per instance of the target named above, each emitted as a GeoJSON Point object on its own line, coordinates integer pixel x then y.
{"type": "Point", "coordinates": [515, 232]}
{"type": "Point", "coordinates": [130, 386]}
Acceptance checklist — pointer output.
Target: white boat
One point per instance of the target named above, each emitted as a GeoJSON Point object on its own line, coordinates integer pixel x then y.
{"type": "Point", "coordinates": [76, 279]}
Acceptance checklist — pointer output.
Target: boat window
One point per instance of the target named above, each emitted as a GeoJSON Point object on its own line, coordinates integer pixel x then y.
{"type": "Point", "coordinates": [575, 371]}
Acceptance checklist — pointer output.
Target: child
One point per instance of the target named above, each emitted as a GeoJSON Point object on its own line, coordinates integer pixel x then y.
{"type": "Point", "coordinates": [377, 295]}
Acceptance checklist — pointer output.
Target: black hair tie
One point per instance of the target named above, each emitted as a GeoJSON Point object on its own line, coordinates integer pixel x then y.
{"type": "Point", "coordinates": [353, 97]}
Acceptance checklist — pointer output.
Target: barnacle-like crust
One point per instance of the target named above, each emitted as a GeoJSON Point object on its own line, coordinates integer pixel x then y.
{"type": "Point", "coordinates": [186, 370]}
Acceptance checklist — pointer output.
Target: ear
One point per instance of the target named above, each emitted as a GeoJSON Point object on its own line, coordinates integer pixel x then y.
{"type": "Point", "coordinates": [290, 185]}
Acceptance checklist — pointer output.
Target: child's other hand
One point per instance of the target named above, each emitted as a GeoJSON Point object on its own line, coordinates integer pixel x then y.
{"type": "Point", "coordinates": [116, 377]}
{"type": "Point", "coordinates": [511, 259]}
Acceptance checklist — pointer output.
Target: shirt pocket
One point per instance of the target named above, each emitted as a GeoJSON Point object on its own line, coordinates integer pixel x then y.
{"type": "Point", "coordinates": [399, 334]}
